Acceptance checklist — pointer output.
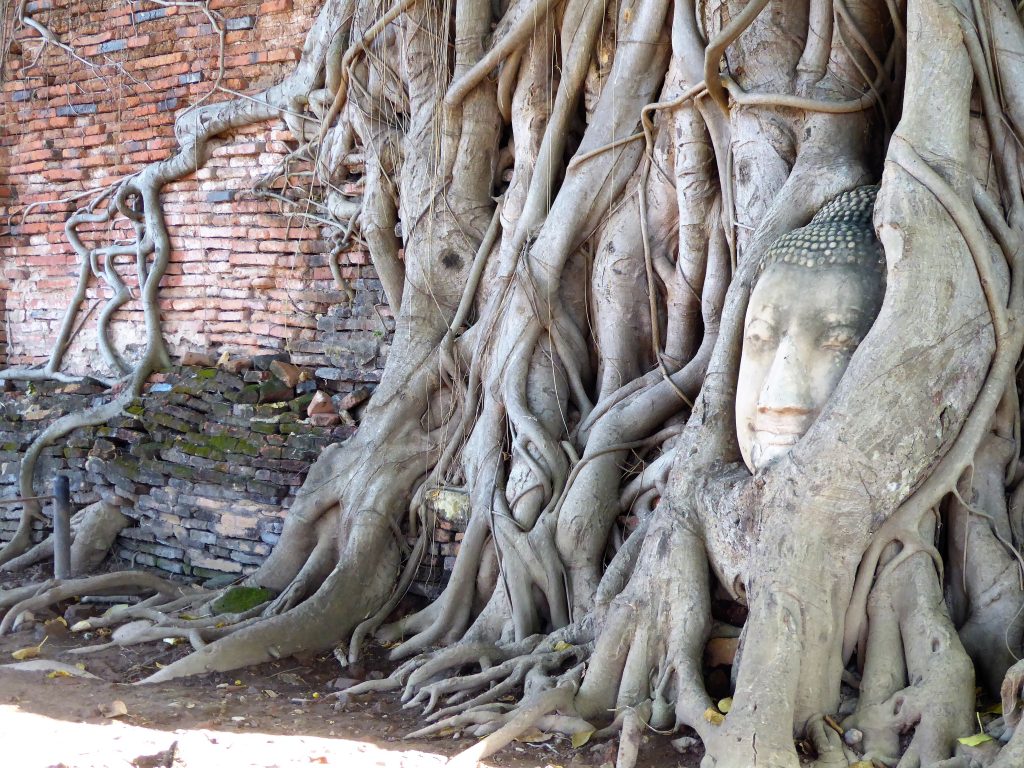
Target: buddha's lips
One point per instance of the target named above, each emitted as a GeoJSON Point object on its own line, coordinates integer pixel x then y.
{"type": "Point", "coordinates": [776, 429]}
{"type": "Point", "coordinates": [774, 438]}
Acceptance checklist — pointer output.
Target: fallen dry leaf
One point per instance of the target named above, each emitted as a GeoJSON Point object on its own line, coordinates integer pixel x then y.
{"type": "Point", "coordinates": [163, 759]}
{"type": "Point", "coordinates": [534, 736]}
{"type": "Point", "coordinates": [116, 708]}
{"type": "Point", "coordinates": [713, 716]}
{"type": "Point", "coordinates": [581, 738]}
{"type": "Point", "coordinates": [975, 740]}
{"type": "Point", "coordinates": [29, 653]}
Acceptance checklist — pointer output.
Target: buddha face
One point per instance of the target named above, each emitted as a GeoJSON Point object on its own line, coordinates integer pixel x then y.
{"type": "Point", "coordinates": [801, 329]}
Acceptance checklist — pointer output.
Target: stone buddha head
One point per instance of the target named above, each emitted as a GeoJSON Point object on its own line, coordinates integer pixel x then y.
{"type": "Point", "coordinates": [817, 291]}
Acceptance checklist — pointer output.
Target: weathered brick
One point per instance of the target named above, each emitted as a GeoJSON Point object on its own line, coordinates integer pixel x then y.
{"type": "Point", "coordinates": [221, 196]}
{"type": "Point", "coordinates": [76, 110]}
{"type": "Point", "coordinates": [113, 45]}
{"type": "Point", "coordinates": [144, 16]}
{"type": "Point", "coordinates": [241, 22]}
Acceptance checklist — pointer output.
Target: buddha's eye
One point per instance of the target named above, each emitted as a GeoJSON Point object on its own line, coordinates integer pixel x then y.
{"type": "Point", "coordinates": [840, 338]}
{"type": "Point", "coordinates": [761, 333]}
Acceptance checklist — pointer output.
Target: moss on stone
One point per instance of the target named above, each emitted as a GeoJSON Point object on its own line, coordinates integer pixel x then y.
{"type": "Point", "coordinates": [224, 443]}
{"type": "Point", "coordinates": [239, 599]}
{"type": "Point", "coordinates": [301, 403]}
{"type": "Point", "coordinates": [249, 449]}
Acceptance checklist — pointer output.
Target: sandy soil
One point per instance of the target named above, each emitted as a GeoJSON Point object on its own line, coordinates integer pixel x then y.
{"type": "Point", "coordinates": [278, 714]}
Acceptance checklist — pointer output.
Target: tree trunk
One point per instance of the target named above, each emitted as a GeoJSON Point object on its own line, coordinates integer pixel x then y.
{"type": "Point", "coordinates": [586, 195]}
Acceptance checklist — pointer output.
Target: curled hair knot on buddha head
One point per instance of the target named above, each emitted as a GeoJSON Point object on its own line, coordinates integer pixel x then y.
{"type": "Point", "coordinates": [840, 234]}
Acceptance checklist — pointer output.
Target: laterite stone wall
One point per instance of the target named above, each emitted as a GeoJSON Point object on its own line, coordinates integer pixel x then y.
{"type": "Point", "coordinates": [204, 470]}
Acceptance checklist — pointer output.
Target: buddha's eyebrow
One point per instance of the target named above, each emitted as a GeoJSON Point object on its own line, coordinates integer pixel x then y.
{"type": "Point", "coordinates": [846, 317]}
{"type": "Point", "coordinates": [771, 309]}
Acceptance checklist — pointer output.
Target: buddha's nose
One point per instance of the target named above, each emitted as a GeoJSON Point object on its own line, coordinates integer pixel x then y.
{"type": "Point", "coordinates": [786, 389]}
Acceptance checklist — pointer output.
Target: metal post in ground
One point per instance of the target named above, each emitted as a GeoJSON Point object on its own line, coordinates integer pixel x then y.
{"type": "Point", "coordinates": [61, 528]}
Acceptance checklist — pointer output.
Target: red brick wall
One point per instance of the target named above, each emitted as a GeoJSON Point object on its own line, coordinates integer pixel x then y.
{"type": "Point", "coordinates": [243, 277]}
{"type": "Point", "coordinates": [5, 198]}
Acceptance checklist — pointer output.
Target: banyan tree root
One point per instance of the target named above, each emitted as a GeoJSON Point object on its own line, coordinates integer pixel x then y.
{"type": "Point", "coordinates": [172, 610]}
{"type": "Point", "coordinates": [93, 531]}
{"type": "Point", "coordinates": [20, 543]}
{"type": "Point", "coordinates": [1012, 700]}
{"type": "Point", "coordinates": [917, 677]}
{"type": "Point", "coordinates": [646, 154]}
{"type": "Point", "coordinates": [619, 668]}
{"type": "Point", "coordinates": [34, 597]}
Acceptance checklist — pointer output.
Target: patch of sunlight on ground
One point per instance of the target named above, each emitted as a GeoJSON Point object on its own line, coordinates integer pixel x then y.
{"type": "Point", "coordinates": [36, 741]}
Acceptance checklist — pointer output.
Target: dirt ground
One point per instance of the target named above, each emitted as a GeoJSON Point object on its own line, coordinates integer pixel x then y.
{"type": "Point", "coordinates": [278, 714]}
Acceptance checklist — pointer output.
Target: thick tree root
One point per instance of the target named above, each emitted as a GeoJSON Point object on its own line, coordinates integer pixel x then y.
{"type": "Point", "coordinates": [93, 531]}
{"type": "Point", "coordinates": [108, 583]}
{"type": "Point", "coordinates": [917, 678]}
{"type": "Point", "coordinates": [526, 716]}
{"type": "Point", "coordinates": [1012, 695]}
{"type": "Point", "coordinates": [492, 683]}
{"type": "Point", "coordinates": [20, 543]}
